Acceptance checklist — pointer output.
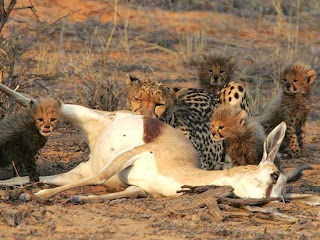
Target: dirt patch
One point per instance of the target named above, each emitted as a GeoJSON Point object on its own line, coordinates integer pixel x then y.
{"type": "Point", "coordinates": [144, 44]}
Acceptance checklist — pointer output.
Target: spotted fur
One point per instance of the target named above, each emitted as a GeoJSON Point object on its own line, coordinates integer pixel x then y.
{"type": "Point", "coordinates": [235, 94]}
{"type": "Point", "coordinates": [23, 135]}
{"type": "Point", "coordinates": [215, 71]}
{"type": "Point", "coordinates": [242, 135]}
{"type": "Point", "coordinates": [292, 105]}
{"type": "Point", "coordinates": [188, 110]}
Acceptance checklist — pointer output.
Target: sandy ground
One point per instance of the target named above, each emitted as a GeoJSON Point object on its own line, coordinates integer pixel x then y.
{"type": "Point", "coordinates": [197, 216]}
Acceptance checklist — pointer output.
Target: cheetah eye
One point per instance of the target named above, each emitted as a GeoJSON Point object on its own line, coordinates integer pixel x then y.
{"type": "Point", "coordinates": [275, 176]}
{"type": "Point", "coordinates": [284, 80]}
{"type": "Point", "coordinates": [295, 80]}
{"type": "Point", "coordinates": [53, 119]}
{"type": "Point", "coordinates": [138, 100]}
{"type": "Point", "coordinates": [221, 71]}
{"type": "Point", "coordinates": [159, 104]}
{"type": "Point", "coordinates": [210, 71]}
{"type": "Point", "coordinates": [221, 127]}
{"type": "Point", "coordinates": [40, 119]}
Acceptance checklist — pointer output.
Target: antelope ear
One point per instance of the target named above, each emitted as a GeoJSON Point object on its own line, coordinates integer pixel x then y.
{"type": "Point", "coordinates": [311, 74]}
{"type": "Point", "coordinates": [272, 143]}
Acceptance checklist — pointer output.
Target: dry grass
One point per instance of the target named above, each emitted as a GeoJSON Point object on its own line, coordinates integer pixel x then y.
{"type": "Point", "coordinates": [263, 35]}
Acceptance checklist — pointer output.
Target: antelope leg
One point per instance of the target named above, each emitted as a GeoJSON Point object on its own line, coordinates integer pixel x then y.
{"type": "Point", "coordinates": [130, 192]}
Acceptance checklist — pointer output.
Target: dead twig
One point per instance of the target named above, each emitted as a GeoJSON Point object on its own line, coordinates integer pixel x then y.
{"type": "Point", "coordinates": [243, 202]}
{"type": "Point", "coordinates": [273, 213]}
{"type": "Point", "coordinates": [5, 12]}
{"type": "Point", "coordinates": [219, 191]}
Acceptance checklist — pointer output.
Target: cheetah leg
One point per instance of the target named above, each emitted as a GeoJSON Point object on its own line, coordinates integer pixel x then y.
{"type": "Point", "coordinates": [130, 192]}
{"type": "Point", "coordinates": [304, 152]}
{"type": "Point", "coordinates": [292, 138]}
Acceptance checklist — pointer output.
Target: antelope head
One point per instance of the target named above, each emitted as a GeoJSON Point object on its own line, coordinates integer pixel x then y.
{"type": "Point", "coordinates": [265, 180]}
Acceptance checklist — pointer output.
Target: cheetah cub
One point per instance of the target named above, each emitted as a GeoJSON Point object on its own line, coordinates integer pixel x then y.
{"type": "Point", "coordinates": [215, 71]}
{"type": "Point", "coordinates": [292, 105]}
{"type": "Point", "coordinates": [23, 135]}
{"type": "Point", "coordinates": [243, 137]}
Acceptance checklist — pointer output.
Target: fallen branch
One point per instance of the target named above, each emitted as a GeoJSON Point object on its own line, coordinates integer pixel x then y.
{"type": "Point", "coordinates": [249, 201]}
{"type": "Point", "coordinates": [273, 213]}
{"type": "Point", "coordinates": [219, 191]}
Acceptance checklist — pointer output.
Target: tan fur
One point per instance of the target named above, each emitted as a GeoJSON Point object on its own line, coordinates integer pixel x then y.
{"type": "Point", "coordinates": [292, 105]}
{"type": "Point", "coordinates": [243, 137]}
{"type": "Point", "coordinates": [152, 158]}
{"type": "Point", "coordinates": [215, 71]}
{"type": "Point", "coordinates": [23, 135]}
{"type": "Point", "coordinates": [149, 98]}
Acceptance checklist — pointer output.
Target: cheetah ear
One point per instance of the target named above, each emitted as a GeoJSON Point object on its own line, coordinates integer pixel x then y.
{"type": "Point", "coordinates": [232, 60]}
{"type": "Point", "coordinates": [201, 59]}
{"type": "Point", "coordinates": [130, 79]}
{"type": "Point", "coordinates": [311, 74]}
{"type": "Point", "coordinates": [180, 92]}
{"type": "Point", "coordinates": [243, 117]}
{"type": "Point", "coordinates": [32, 104]}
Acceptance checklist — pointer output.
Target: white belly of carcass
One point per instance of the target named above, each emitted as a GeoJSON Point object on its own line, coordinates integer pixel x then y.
{"type": "Point", "coordinates": [122, 135]}
{"type": "Point", "coordinates": [144, 174]}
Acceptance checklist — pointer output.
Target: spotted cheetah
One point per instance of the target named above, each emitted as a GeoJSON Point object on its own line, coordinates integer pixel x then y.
{"type": "Point", "coordinates": [188, 110]}
{"type": "Point", "coordinates": [215, 71]}
{"type": "Point", "coordinates": [292, 105]}
{"type": "Point", "coordinates": [243, 136]}
{"type": "Point", "coordinates": [151, 98]}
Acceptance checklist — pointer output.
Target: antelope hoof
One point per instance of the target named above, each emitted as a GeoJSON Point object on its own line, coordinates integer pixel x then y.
{"type": "Point", "coordinates": [77, 199]}
{"type": "Point", "coordinates": [25, 197]}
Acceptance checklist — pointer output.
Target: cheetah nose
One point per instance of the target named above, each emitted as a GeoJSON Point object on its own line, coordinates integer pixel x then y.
{"type": "Point", "coordinates": [215, 78]}
{"type": "Point", "coordinates": [47, 126]}
{"type": "Point", "coordinates": [288, 85]}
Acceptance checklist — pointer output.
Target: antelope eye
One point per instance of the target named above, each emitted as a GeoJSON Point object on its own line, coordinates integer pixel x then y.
{"type": "Point", "coordinates": [275, 176]}
{"type": "Point", "coordinates": [40, 119]}
{"type": "Point", "coordinates": [221, 127]}
{"type": "Point", "coordinates": [284, 80]}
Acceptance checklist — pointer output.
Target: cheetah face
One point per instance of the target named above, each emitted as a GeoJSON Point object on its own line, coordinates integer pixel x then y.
{"type": "Point", "coordinates": [227, 122]}
{"type": "Point", "coordinates": [298, 79]}
{"type": "Point", "coordinates": [218, 131]}
{"type": "Point", "coordinates": [216, 70]}
{"type": "Point", "coordinates": [46, 113]}
{"type": "Point", "coordinates": [217, 75]}
{"type": "Point", "coordinates": [149, 98]}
